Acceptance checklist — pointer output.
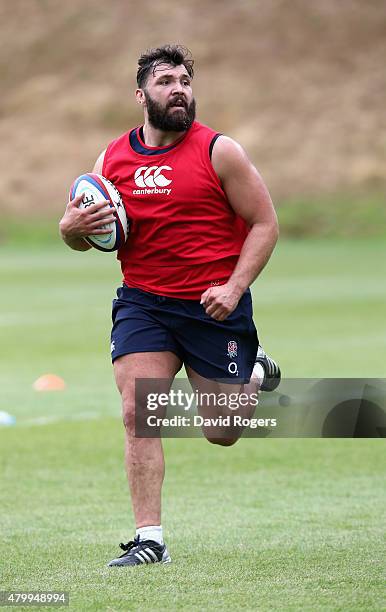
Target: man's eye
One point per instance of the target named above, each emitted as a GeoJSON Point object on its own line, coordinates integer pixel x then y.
{"type": "Point", "coordinates": [164, 82]}
{"type": "Point", "coordinates": [187, 83]}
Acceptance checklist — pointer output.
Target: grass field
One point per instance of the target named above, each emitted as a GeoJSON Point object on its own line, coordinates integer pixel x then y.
{"type": "Point", "coordinates": [264, 525]}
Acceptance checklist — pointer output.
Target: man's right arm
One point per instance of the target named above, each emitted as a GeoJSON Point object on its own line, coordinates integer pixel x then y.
{"type": "Point", "coordinates": [77, 223]}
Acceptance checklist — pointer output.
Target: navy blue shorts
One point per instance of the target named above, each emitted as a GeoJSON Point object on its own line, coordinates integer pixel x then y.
{"type": "Point", "coordinates": [217, 350]}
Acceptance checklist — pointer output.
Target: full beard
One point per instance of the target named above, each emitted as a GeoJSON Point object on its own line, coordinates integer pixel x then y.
{"type": "Point", "coordinates": [161, 118]}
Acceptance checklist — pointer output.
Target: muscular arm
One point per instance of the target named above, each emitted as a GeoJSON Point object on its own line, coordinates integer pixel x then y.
{"type": "Point", "coordinates": [77, 223]}
{"type": "Point", "coordinates": [250, 199]}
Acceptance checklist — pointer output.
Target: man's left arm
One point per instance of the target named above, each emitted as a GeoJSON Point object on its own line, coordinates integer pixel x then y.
{"type": "Point", "coordinates": [250, 199]}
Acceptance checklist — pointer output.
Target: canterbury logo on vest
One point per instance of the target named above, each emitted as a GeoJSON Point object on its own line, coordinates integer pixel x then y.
{"type": "Point", "coordinates": [151, 179]}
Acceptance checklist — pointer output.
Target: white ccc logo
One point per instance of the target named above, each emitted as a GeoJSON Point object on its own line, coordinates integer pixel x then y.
{"type": "Point", "coordinates": [146, 176]}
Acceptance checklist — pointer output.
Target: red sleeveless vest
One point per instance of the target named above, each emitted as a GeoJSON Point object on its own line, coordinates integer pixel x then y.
{"type": "Point", "coordinates": [184, 235]}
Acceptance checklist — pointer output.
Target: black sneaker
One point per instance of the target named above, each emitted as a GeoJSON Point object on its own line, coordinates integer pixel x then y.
{"type": "Point", "coordinates": [271, 369]}
{"type": "Point", "coordinates": [140, 552]}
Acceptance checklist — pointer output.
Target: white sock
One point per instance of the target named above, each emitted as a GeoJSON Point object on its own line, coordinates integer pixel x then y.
{"type": "Point", "coordinates": [150, 532]}
{"type": "Point", "coordinates": [258, 374]}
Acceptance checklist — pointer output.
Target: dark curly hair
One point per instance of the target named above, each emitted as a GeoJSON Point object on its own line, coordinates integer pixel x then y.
{"type": "Point", "coordinates": [174, 55]}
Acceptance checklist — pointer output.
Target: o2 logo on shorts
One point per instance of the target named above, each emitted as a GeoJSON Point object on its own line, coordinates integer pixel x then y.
{"type": "Point", "coordinates": [232, 349]}
{"type": "Point", "coordinates": [233, 369]}
{"type": "Point", "coordinates": [232, 353]}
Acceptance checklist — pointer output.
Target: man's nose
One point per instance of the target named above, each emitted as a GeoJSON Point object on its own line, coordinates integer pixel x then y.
{"type": "Point", "coordinates": [177, 89]}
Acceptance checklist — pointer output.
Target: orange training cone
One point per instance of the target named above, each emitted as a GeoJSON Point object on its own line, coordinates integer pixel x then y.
{"type": "Point", "coordinates": [49, 382]}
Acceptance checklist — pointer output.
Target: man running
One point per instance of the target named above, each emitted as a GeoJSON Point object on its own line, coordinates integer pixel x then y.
{"type": "Point", "coordinates": [202, 228]}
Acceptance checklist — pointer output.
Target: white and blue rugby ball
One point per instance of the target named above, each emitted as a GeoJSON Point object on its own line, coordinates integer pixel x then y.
{"type": "Point", "coordinates": [96, 188]}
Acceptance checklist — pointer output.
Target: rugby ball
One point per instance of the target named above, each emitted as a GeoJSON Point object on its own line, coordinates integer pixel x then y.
{"type": "Point", "coordinates": [96, 188]}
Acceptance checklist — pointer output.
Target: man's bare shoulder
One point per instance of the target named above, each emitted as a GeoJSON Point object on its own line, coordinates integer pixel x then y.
{"type": "Point", "coordinates": [98, 166]}
{"type": "Point", "coordinates": [228, 154]}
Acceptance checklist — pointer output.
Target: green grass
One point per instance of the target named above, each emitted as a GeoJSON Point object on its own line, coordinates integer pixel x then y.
{"type": "Point", "coordinates": [272, 524]}
{"type": "Point", "coordinates": [265, 525]}
{"type": "Point", "coordinates": [358, 214]}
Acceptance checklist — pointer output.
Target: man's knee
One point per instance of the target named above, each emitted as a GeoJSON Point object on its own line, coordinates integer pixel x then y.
{"type": "Point", "coordinates": [128, 416]}
{"type": "Point", "coordinates": [134, 417]}
{"type": "Point", "coordinates": [222, 441]}
{"type": "Point", "coordinates": [129, 410]}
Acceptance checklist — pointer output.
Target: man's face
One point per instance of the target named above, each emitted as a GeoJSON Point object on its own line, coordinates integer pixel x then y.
{"type": "Point", "coordinates": [168, 98]}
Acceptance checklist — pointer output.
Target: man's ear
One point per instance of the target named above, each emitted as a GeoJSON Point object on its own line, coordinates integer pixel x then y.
{"type": "Point", "coordinates": [140, 96]}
